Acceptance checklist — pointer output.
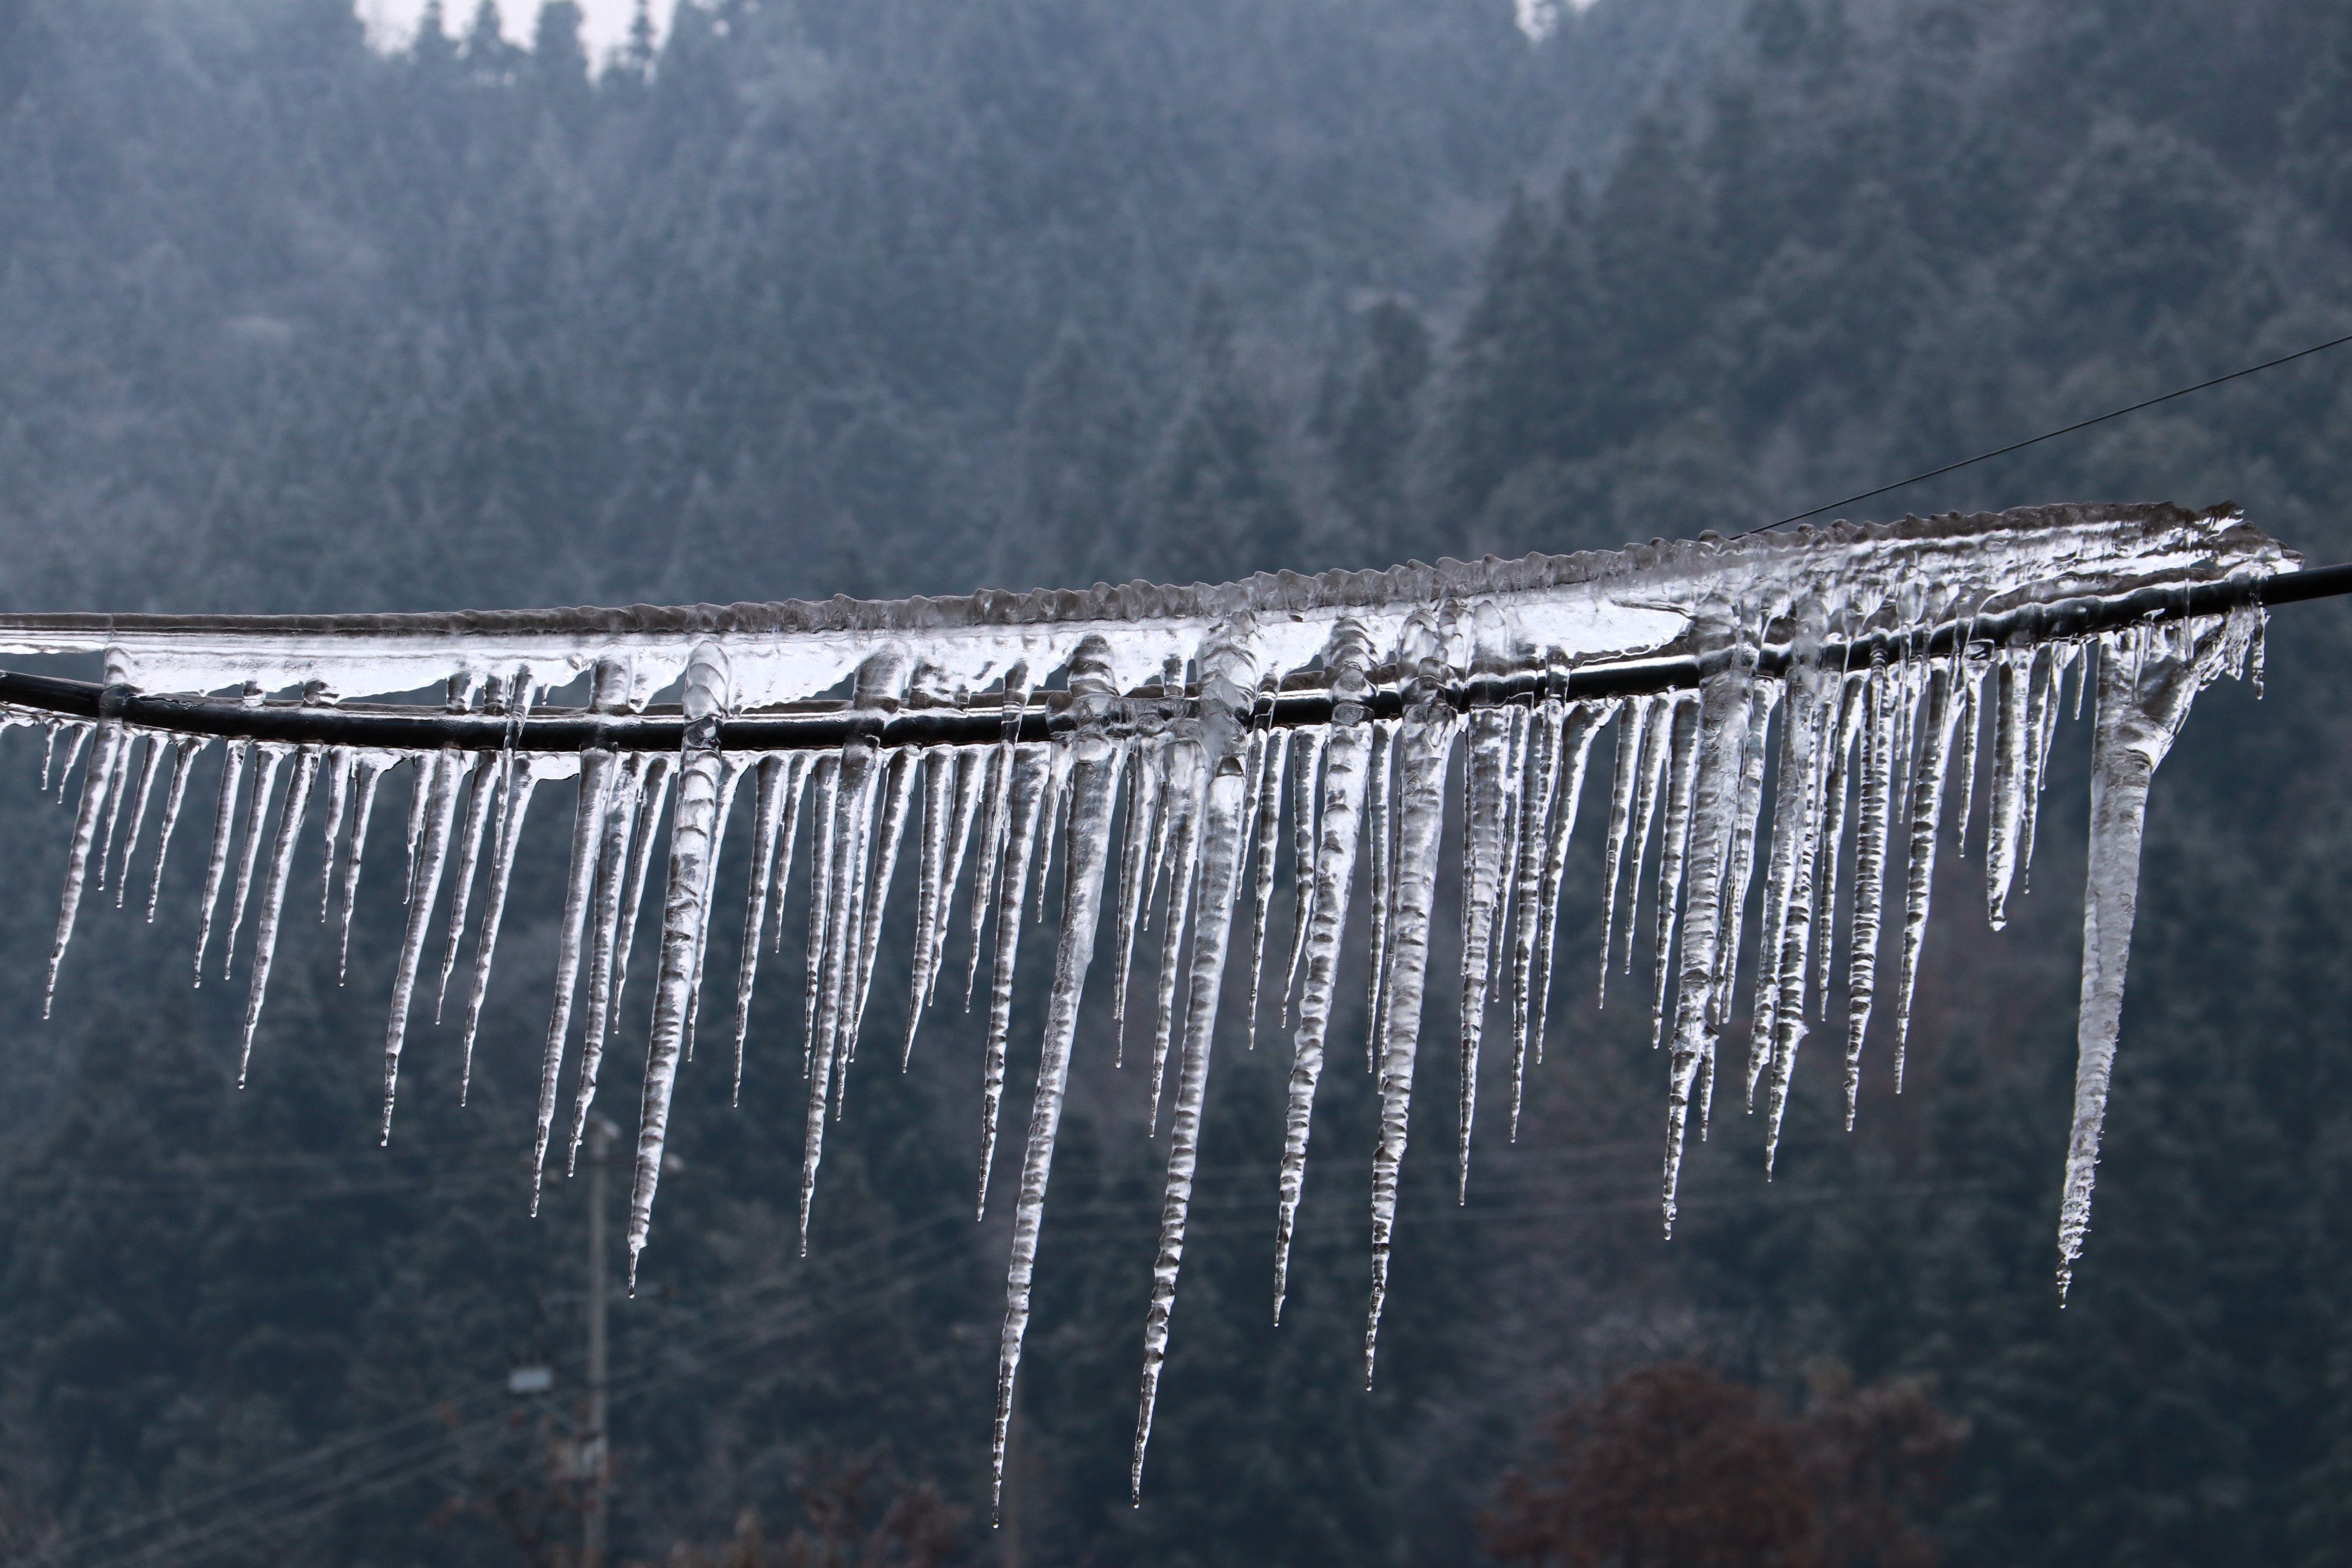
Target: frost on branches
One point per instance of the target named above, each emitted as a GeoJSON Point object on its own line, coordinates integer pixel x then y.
{"type": "Point", "coordinates": [1147, 744]}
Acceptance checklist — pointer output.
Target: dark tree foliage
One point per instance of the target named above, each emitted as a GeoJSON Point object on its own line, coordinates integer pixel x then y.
{"type": "Point", "coordinates": [922, 297]}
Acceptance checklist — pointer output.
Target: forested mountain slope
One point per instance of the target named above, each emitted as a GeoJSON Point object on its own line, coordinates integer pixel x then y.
{"type": "Point", "coordinates": [914, 296]}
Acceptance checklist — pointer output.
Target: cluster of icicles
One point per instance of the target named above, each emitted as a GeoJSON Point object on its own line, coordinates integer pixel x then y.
{"type": "Point", "coordinates": [1169, 802]}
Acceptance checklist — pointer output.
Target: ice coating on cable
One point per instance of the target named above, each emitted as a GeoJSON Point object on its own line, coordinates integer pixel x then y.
{"type": "Point", "coordinates": [1773, 696]}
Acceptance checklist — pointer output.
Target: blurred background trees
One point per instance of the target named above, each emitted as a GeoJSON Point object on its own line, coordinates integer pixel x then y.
{"type": "Point", "coordinates": [918, 297]}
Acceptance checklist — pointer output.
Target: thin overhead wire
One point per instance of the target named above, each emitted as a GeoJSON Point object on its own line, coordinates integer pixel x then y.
{"type": "Point", "coordinates": [2051, 435]}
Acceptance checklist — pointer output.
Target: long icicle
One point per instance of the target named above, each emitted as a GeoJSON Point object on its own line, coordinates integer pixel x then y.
{"type": "Point", "coordinates": [1380, 793]}
{"type": "Point", "coordinates": [1095, 767]}
{"type": "Point", "coordinates": [1649, 786]}
{"type": "Point", "coordinates": [1869, 874]}
{"type": "Point", "coordinates": [153, 763]}
{"type": "Point", "coordinates": [824, 805]}
{"type": "Point", "coordinates": [652, 795]}
{"type": "Point", "coordinates": [999, 811]}
{"type": "Point", "coordinates": [1763, 700]}
{"type": "Point", "coordinates": [613, 855]}
{"type": "Point", "coordinates": [1346, 761]}
{"type": "Point", "coordinates": [1306, 762]}
{"type": "Point", "coordinates": [1836, 789]}
{"type": "Point", "coordinates": [972, 767]}
{"type": "Point", "coordinates": [767, 814]}
{"type": "Point", "coordinates": [338, 769]}
{"type": "Point", "coordinates": [2040, 718]}
{"type": "Point", "coordinates": [2143, 703]}
{"type": "Point", "coordinates": [523, 782]}
{"type": "Point", "coordinates": [1823, 710]}
{"type": "Point", "coordinates": [265, 784]}
{"type": "Point", "coordinates": [898, 802]}
{"type": "Point", "coordinates": [1185, 790]}
{"type": "Point", "coordinates": [1926, 817]}
{"type": "Point", "coordinates": [1146, 784]}
{"type": "Point", "coordinates": [1267, 842]}
{"type": "Point", "coordinates": [183, 763]}
{"type": "Point", "coordinates": [2005, 807]}
{"type": "Point", "coordinates": [480, 802]}
{"type": "Point", "coordinates": [840, 841]}
{"type": "Point", "coordinates": [1673, 843]}
{"type": "Point", "coordinates": [118, 788]}
{"type": "Point", "coordinates": [609, 692]}
{"type": "Point", "coordinates": [1228, 676]}
{"type": "Point", "coordinates": [930, 889]}
{"type": "Point", "coordinates": [441, 785]}
{"type": "Point", "coordinates": [1032, 777]}
{"type": "Point", "coordinates": [1425, 748]}
{"type": "Point", "coordinates": [1714, 801]}
{"type": "Point", "coordinates": [223, 829]}
{"type": "Point", "coordinates": [686, 910]}
{"type": "Point", "coordinates": [1582, 726]}
{"type": "Point", "coordinates": [1483, 824]}
{"type": "Point", "coordinates": [273, 896]}
{"type": "Point", "coordinates": [1632, 725]}
{"type": "Point", "coordinates": [370, 772]}
{"type": "Point", "coordinates": [97, 785]}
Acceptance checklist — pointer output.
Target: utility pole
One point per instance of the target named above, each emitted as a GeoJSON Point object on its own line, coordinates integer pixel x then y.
{"type": "Point", "coordinates": [596, 1450]}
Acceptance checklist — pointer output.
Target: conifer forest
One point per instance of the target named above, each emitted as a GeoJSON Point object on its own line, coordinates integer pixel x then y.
{"type": "Point", "coordinates": [774, 300]}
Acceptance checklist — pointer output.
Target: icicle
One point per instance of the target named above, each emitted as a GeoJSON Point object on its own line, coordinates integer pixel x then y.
{"type": "Point", "coordinates": [339, 791]}
{"type": "Point", "coordinates": [653, 794]}
{"type": "Point", "coordinates": [152, 763]}
{"type": "Point", "coordinates": [273, 895]}
{"type": "Point", "coordinates": [1349, 659]}
{"type": "Point", "coordinates": [1869, 873]}
{"type": "Point", "coordinates": [1135, 871]}
{"type": "Point", "coordinates": [1822, 714]}
{"type": "Point", "coordinates": [861, 777]}
{"type": "Point", "coordinates": [1183, 826]}
{"type": "Point", "coordinates": [973, 771]}
{"type": "Point", "coordinates": [224, 826]}
{"type": "Point", "coordinates": [610, 685]}
{"type": "Point", "coordinates": [183, 760]}
{"type": "Point", "coordinates": [1926, 817]}
{"type": "Point", "coordinates": [1836, 789]}
{"type": "Point", "coordinates": [693, 842]}
{"type": "Point", "coordinates": [48, 752]}
{"type": "Point", "coordinates": [439, 778]}
{"type": "Point", "coordinates": [930, 889]}
{"type": "Point", "coordinates": [1228, 676]}
{"type": "Point", "coordinates": [1483, 821]}
{"type": "Point", "coordinates": [523, 782]}
{"type": "Point", "coordinates": [1791, 838]}
{"type": "Point", "coordinates": [420, 790]}
{"type": "Point", "coordinates": [1306, 762]}
{"type": "Point", "coordinates": [1094, 768]}
{"type": "Point", "coordinates": [1379, 791]}
{"type": "Point", "coordinates": [1515, 768]}
{"type": "Point", "coordinates": [2005, 810]}
{"type": "Point", "coordinates": [767, 814]}
{"type": "Point", "coordinates": [614, 850]}
{"type": "Point", "coordinates": [1975, 659]}
{"type": "Point", "coordinates": [841, 840]}
{"type": "Point", "coordinates": [81, 733]}
{"type": "Point", "coordinates": [1049, 828]}
{"type": "Point", "coordinates": [95, 788]}
{"type": "Point", "coordinates": [1673, 842]}
{"type": "Point", "coordinates": [371, 772]}
{"type": "Point", "coordinates": [897, 801]}
{"type": "Point", "coordinates": [1267, 836]}
{"type": "Point", "coordinates": [1425, 748]}
{"type": "Point", "coordinates": [1536, 789]}
{"type": "Point", "coordinates": [826, 804]}
{"type": "Point", "coordinates": [1723, 741]}
{"type": "Point", "coordinates": [730, 775]}
{"type": "Point", "coordinates": [1657, 745]}
{"type": "Point", "coordinates": [265, 784]}
{"type": "Point", "coordinates": [992, 843]}
{"type": "Point", "coordinates": [2041, 705]}
{"type": "Point", "coordinates": [1583, 725]}
{"type": "Point", "coordinates": [1032, 779]}
{"type": "Point", "coordinates": [1763, 700]}
{"type": "Point", "coordinates": [1635, 723]}
{"type": "Point", "coordinates": [118, 785]}
{"type": "Point", "coordinates": [2142, 705]}
{"type": "Point", "coordinates": [479, 806]}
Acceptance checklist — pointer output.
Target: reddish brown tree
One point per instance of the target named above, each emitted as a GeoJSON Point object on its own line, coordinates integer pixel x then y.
{"type": "Point", "coordinates": [1674, 1467]}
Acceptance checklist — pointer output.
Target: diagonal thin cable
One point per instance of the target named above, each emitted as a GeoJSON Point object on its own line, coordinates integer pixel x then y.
{"type": "Point", "coordinates": [2053, 435]}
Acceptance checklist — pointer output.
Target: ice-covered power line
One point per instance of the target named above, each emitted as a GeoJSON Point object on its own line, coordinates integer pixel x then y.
{"type": "Point", "coordinates": [1771, 698]}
